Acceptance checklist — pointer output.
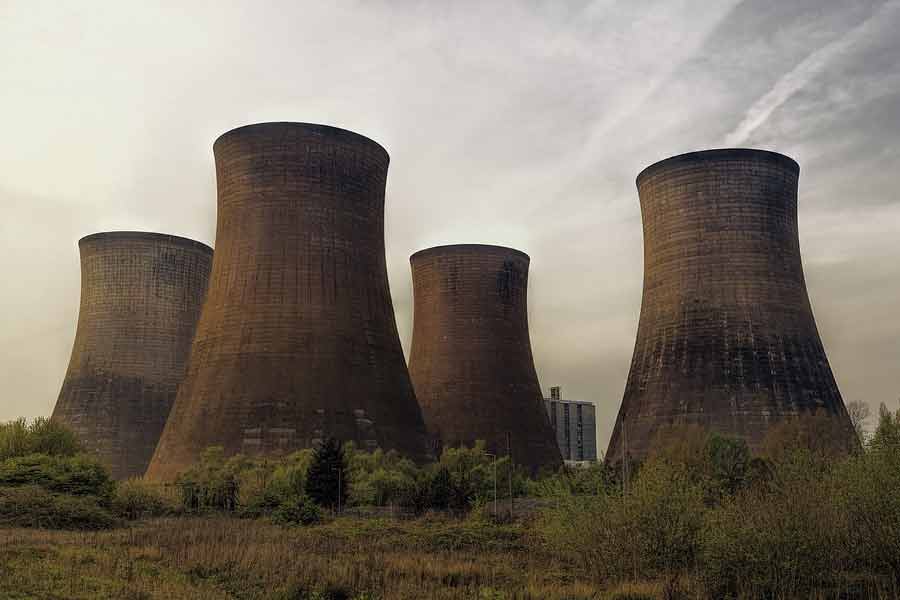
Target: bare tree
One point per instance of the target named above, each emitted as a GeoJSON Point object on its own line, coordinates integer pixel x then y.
{"type": "Point", "coordinates": [860, 412]}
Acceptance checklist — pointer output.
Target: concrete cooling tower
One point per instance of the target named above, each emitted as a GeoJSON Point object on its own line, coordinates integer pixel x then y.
{"type": "Point", "coordinates": [297, 340]}
{"type": "Point", "coordinates": [471, 361]}
{"type": "Point", "coordinates": [141, 295]}
{"type": "Point", "coordinates": [726, 338]}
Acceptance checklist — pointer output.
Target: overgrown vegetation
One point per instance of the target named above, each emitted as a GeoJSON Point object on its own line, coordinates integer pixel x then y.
{"type": "Point", "coordinates": [702, 514]}
{"type": "Point", "coordinates": [46, 480]}
{"type": "Point", "coordinates": [463, 478]}
{"type": "Point", "coordinates": [701, 518]}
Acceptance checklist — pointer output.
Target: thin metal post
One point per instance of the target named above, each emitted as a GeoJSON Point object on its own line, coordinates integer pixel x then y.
{"type": "Point", "coordinates": [624, 456]}
{"type": "Point", "coordinates": [509, 473]}
{"type": "Point", "coordinates": [494, 468]}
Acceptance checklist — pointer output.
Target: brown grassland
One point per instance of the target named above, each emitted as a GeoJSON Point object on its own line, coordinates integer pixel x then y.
{"type": "Point", "coordinates": [222, 557]}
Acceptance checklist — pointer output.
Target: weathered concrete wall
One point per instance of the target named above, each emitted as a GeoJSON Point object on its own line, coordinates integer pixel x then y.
{"type": "Point", "coordinates": [471, 361]}
{"type": "Point", "coordinates": [726, 337]}
{"type": "Point", "coordinates": [141, 295]}
{"type": "Point", "coordinates": [297, 340]}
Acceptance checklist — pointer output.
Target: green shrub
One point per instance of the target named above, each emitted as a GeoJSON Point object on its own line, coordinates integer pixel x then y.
{"type": "Point", "coordinates": [35, 506]}
{"type": "Point", "coordinates": [139, 499]}
{"type": "Point", "coordinates": [41, 436]}
{"type": "Point", "coordinates": [260, 502]}
{"type": "Point", "coordinates": [592, 479]}
{"type": "Point", "coordinates": [653, 531]}
{"type": "Point", "coordinates": [212, 483]}
{"type": "Point", "coordinates": [78, 475]}
{"type": "Point", "coordinates": [381, 478]}
{"type": "Point", "coordinates": [783, 538]}
{"type": "Point", "coordinates": [297, 510]}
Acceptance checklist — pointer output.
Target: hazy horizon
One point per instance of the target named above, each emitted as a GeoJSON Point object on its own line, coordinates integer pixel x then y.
{"type": "Point", "coordinates": [520, 124]}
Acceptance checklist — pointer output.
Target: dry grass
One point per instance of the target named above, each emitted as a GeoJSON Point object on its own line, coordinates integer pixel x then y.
{"type": "Point", "coordinates": [221, 557]}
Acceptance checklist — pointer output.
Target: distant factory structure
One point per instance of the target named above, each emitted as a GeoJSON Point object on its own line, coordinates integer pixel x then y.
{"type": "Point", "coordinates": [575, 425]}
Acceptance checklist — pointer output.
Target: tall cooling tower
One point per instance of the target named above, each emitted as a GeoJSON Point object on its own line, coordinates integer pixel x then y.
{"type": "Point", "coordinates": [141, 295]}
{"type": "Point", "coordinates": [471, 361]}
{"type": "Point", "coordinates": [726, 337]}
{"type": "Point", "coordinates": [297, 340]}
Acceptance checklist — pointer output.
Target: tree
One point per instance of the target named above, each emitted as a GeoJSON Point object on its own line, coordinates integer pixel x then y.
{"type": "Point", "coordinates": [859, 415]}
{"type": "Point", "coordinates": [887, 434]}
{"type": "Point", "coordinates": [729, 463]}
{"type": "Point", "coordinates": [441, 488]}
{"type": "Point", "coordinates": [326, 480]}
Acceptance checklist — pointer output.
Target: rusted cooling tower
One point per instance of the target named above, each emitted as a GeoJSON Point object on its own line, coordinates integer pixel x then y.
{"type": "Point", "coordinates": [297, 340]}
{"type": "Point", "coordinates": [726, 338]}
{"type": "Point", "coordinates": [141, 295]}
{"type": "Point", "coordinates": [471, 360]}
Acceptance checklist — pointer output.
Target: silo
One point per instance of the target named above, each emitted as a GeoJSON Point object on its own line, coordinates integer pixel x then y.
{"type": "Point", "coordinates": [470, 360]}
{"type": "Point", "coordinates": [297, 340]}
{"type": "Point", "coordinates": [141, 295]}
{"type": "Point", "coordinates": [726, 338]}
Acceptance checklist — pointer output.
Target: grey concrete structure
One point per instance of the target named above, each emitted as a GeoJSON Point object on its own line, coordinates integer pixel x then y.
{"type": "Point", "coordinates": [726, 338]}
{"type": "Point", "coordinates": [141, 295]}
{"type": "Point", "coordinates": [471, 360]}
{"type": "Point", "coordinates": [297, 340]}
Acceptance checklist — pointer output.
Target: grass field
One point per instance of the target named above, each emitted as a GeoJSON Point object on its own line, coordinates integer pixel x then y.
{"type": "Point", "coordinates": [220, 557]}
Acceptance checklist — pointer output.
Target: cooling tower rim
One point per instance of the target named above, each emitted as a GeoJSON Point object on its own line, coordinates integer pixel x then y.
{"type": "Point", "coordinates": [303, 125]}
{"type": "Point", "coordinates": [719, 153]}
{"type": "Point", "coordinates": [116, 236]}
{"type": "Point", "coordinates": [466, 249]}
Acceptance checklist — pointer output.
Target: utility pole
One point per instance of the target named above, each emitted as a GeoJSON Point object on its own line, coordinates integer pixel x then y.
{"type": "Point", "coordinates": [509, 474]}
{"type": "Point", "coordinates": [340, 476]}
{"type": "Point", "coordinates": [494, 465]}
{"type": "Point", "coordinates": [624, 456]}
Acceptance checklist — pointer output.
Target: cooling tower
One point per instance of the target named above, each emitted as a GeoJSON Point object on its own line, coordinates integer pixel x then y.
{"type": "Point", "coordinates": [471, 361]}
{"type": "Point", "coordinates": [141, 295]}
{"type": "Point", "coordinates": [297, 339]}
{"type": "Point", "coordinates": [726, 338]}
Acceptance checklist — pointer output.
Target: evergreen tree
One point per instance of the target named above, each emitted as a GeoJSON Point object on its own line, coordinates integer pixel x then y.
{"type": "Point", "coordinates": [326, 480]}
{"type": "Point", "coordinates": [441, 488]}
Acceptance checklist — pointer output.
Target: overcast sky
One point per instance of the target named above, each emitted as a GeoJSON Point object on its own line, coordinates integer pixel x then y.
{"type": "Point", "coordinates": [513, 123]}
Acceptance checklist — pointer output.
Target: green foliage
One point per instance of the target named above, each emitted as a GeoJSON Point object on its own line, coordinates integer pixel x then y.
{"type": "Point", "coordinates": [826, 438]}
{"type": "Point", "coordinates": [475, 476]}
{"type": "Point", "coordinates": [780, 537]}
{"type": "Point", "coordinates": [35, 506]}
{"type": "Point", "coordinates": [326, 479]}
{"type": "Point", "coordinates": [728, 465]}
{"type": "Point", "coordinates": [138, 499]}
{"type": "Point", "coordinates": [440, 487]}
{"type": "Point", "coordinates": [381, 478]}
{"type": "Point", "coordinates": [592, 479]}
{"type": "Point", "coordinates": [45, 482]}
{"type": "Point", "coordinates": [869, 496]}
{"type": "Point", "coordinates": [491, 593]}
{"type": "Point", "coordinates": [42, 436]}
{"type": "Point", "coordinates": [297, 510]}
{"type": "Point", "coordinates": [264, 483]}
{"type": "Point", "coordinates": [78, 475]}
{"type": "Point", "coordinates": [887, 435]}
{"type": "Point", "coordinates": [653, 530]}
{"type": "Point", "coordinates": [212, 483]}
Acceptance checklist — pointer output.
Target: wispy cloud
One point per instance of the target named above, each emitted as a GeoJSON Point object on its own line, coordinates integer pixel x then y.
{"type": "Point", "coordinates": [803, 73]}
{"type": "Point", "coordinates": [511, 122]}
